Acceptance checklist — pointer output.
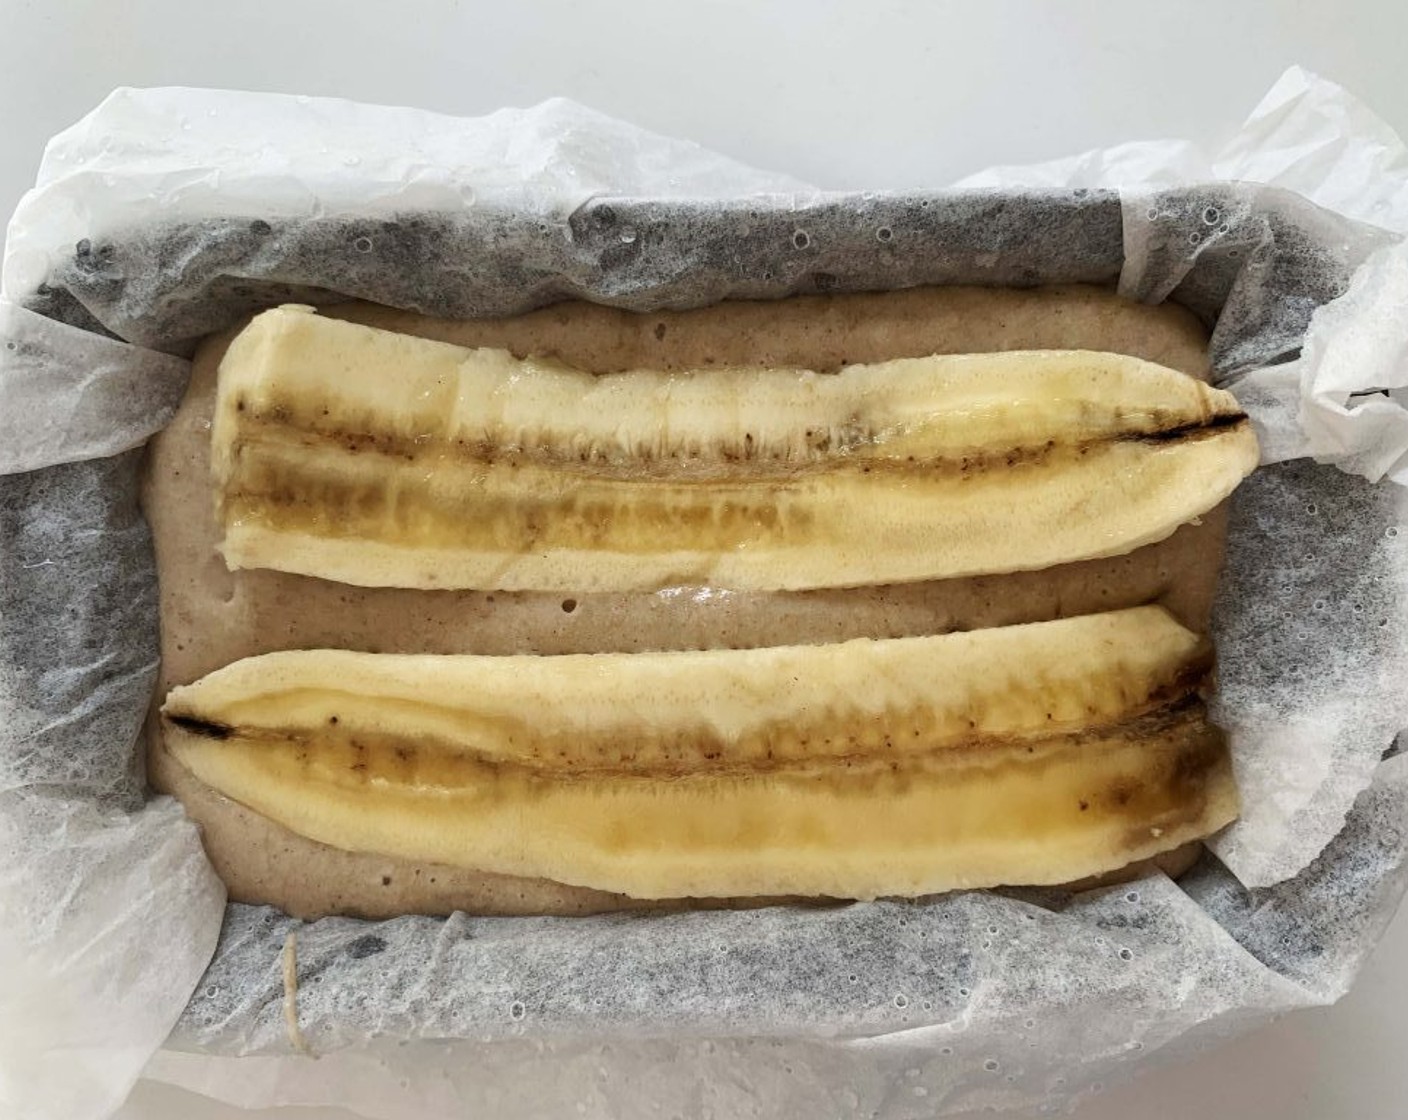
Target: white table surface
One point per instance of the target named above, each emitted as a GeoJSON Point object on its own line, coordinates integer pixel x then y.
{"type": "Point", "coordinates": [884, 93]}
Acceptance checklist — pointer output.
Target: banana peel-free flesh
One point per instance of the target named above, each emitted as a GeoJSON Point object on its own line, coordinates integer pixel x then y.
{"type": "Point", "coordinates": [1029, 754]}
{"type": "Point", "coordinates": [379, 459]}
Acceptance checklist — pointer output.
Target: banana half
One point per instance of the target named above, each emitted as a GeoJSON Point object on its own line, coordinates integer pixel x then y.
{"type": "Point", "coordinates": [374, 458]}
{"type": "Point", "coordinates": [1029, 754]}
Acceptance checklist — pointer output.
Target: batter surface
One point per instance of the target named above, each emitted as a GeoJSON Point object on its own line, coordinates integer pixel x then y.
{"type": "Point", "coordinates": [211, 617]}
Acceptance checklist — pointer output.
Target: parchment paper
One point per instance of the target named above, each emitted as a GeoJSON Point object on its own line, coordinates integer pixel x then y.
{"type": "Point", "coordinates": [169, 213]}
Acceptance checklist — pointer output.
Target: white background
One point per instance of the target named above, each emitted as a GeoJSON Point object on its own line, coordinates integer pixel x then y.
{"type": "Point", "coordinates": [846, 95]}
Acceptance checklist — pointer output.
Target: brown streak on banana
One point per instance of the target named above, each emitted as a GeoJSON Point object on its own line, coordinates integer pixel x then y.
{"type": "Point", "coordinates": [367, 457]}
{"type": "Point", "coordinates": [1028, 754]}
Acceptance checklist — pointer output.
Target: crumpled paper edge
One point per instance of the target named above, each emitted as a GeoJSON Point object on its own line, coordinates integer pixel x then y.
{"type": "Point", "coordinates": [1353, 373]}
{"type": "Point", "coordinates": [76, 1065]}
{"type": "Point", "coordinates": [315, 162]}
{"type": "Point", "coordinates": [1312, 137]}
{"type": "Point", "coordinates": [83, 857]}
{"type": "Point", "coordinates": [121, 394]}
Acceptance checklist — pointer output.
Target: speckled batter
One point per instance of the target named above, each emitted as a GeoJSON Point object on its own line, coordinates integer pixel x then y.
{"type": "Point", "coordinates": [211, 616]}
